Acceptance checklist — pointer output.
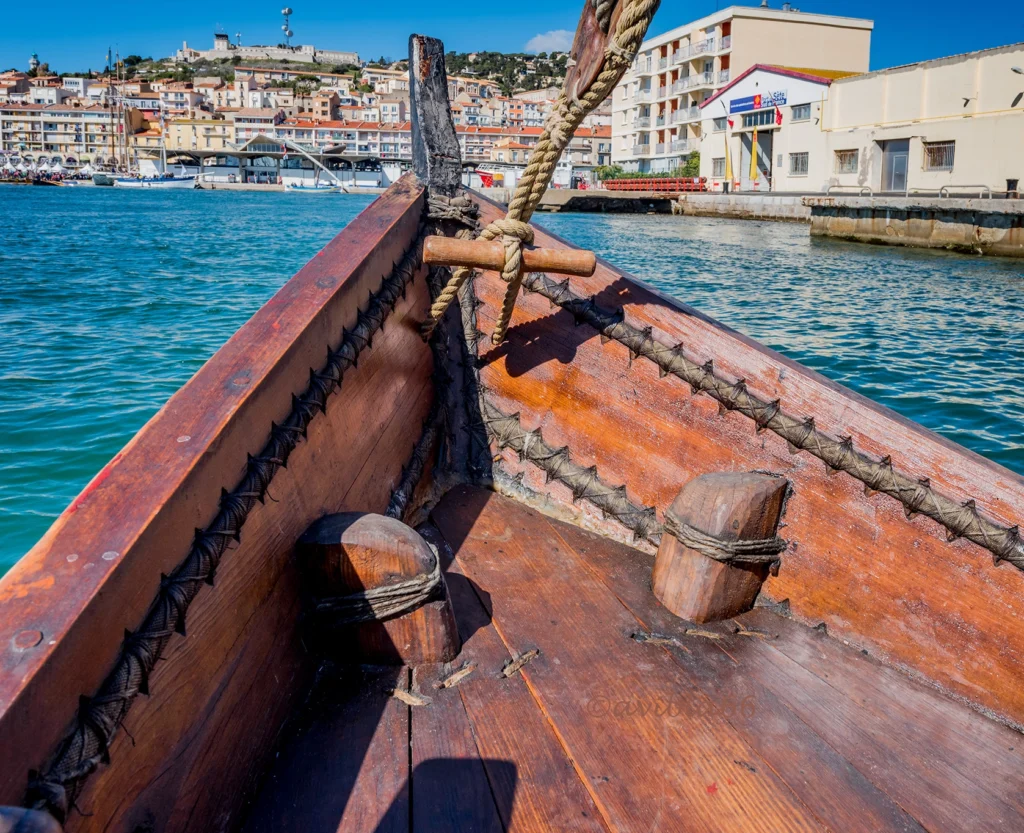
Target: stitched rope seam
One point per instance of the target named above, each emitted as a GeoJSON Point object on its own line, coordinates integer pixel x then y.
{"type": "Point", "coordinates": [961, 520]}
{"type": "Point", "coordinates": [88, 743]}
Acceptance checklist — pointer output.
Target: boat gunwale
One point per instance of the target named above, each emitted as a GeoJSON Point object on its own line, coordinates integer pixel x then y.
{"type": "Point", "coordinates": [48, 593]}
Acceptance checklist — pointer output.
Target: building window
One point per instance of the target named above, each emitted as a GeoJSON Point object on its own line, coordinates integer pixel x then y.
{"type": "Point", "coordinates": [720, 124]}
{"type": "Point", "coordinates": [938, 156]}
{"type": "Point", "coordinates": [846, 161]}
{"type": "Point", "coordinates": [798, 164]}
{"type": "Point", "coordinates": [718, 167]}
{"type": "Point", "coordinates": [761, 117]}
{"type": "Point", "coordinates": [801, 112]}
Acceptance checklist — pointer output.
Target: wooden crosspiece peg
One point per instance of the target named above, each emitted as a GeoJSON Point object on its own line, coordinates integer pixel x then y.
{"type": "Point", "coordinates": [490, 254]}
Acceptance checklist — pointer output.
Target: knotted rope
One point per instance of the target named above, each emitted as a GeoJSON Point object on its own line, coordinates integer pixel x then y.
{"type": "Point", "coordinates": [382, 603]}
{"type": "Point", "coordinates": [565, 119]}
{"type": "Point", "coordinates": [755, 551]}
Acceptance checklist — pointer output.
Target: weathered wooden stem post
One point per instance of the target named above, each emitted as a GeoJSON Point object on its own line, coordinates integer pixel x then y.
{"type": "Point", "coordinates": [376, 591]}
{"type": "Point", "coordinates": [719, 544]}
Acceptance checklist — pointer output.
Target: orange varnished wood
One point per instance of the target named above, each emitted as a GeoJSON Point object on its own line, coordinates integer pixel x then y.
{"type": "Point", "coordinates": [857, 563]}
{"type": "Point", "coordinates": [490, 254]}
{"type": "Point", "coordinates": [451, 790]}
{"type": "Point", "coordinates": [840, 794]}
{"type": "Point", "coordinates": [729, 506]}
{"type": "Point", "coordinates": [219, 697]}
{"type": "Point", "coordinates": [348, 552]}
{"type": "Point", "coordinates": [654, 750]}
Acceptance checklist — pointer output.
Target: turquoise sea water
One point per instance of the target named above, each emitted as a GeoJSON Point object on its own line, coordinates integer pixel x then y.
{"type": "Point", "coordinates": [110, 300]}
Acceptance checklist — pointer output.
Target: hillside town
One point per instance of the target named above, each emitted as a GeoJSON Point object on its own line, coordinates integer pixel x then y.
{"type": "Point", "coordinates": [753, 99]}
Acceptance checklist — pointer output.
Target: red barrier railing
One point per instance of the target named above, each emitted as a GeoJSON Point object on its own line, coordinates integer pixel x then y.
{"type": "Point", "coordinates": [665, 185]}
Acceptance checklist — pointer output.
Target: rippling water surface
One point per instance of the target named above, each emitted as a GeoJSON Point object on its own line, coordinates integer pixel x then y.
{"type": "Point", "coordinates": [110, 300]}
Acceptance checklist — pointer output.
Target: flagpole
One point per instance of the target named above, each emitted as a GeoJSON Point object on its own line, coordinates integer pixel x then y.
{"type": "Point", "coordinates": [728, 155]}
{"type": "Point", "coordinates": [753, 159]}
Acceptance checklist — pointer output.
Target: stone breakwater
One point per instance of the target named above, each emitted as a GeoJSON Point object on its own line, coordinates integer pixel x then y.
{"type": "Point", "coordinates": [974, 226]}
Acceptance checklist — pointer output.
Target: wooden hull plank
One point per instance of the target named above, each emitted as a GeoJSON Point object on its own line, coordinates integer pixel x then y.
{"type": "Point", "coordinates": [344, 766]}
{"type": "Point", "coordinates": [139, 514]}
{"type": "Point", "coordinates": [910, 752]}
{"type": "Point", "coordinates": [535, 784]}
{"type": "Point", "coordinates": [655, 751]}
{"type": "Point", "coordinates": [858, 563]}
{"type": "Point", "coordinates": [450, 787]}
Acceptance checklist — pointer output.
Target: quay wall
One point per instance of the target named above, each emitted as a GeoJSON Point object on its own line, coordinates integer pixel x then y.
{"type": "Point", "coordinates": [974, 226]}
{"type": "Point", "coordinates": [784, 207]}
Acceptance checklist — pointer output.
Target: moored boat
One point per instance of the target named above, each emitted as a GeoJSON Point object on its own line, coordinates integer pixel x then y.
{"type": "Point", "coordinates": [317, 188]}
{"type": "Point", "coordinates": [583, 559]}
{"type": "Point", "coordinates": [164, 181]}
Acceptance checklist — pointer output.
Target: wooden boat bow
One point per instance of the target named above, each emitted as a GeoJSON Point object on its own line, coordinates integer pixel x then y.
{"type": "Point", "coordinates": [157, 667]}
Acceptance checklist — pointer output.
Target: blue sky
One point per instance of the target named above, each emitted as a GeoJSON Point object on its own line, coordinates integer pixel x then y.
{"type": "Point", "coordinates": [73, 36]}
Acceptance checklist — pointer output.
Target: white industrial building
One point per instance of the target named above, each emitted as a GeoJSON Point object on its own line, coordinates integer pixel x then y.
{"type": "Point", "coordinates": [953, 123]}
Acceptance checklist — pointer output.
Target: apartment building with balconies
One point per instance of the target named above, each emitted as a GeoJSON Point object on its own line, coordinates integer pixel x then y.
{"type": "Point", "coordinates": [656, 115]}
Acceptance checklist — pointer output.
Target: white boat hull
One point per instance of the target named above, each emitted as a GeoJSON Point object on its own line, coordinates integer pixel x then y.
{"type": "Point", "coordinates": [158, 182]}
{"type": "Point", "coordinates": [306, 189]}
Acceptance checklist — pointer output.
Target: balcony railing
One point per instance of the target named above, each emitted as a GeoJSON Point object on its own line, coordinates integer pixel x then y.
{"type": "Point", "coordinates": [644, 66]}
{"type": "Point", "coordinates": [662, 92]}
{"type": "Point", "coordinates": [678, 87]}
{"type": "Point", "coordinates": [642, 95]}
{"type": "Point", "coordinates": [659, 148]}
{"type": "Point", "coordinates": [707, 45]}
{"type": "Point", "coordinates": [681, 146]}
{"type": "Point", "coordinates": [660, 121]}
{"type": "Point", "coordinates": [662, 63]}
{"type": "Point", "coordinates": [680, 53]}
{"type": "Point", "coordinates": [642, 121]}
{"type": "Point", "coordinates": [693, 112]}
{"type": "Point", "coordinates": [727, 42]}
{"type": "Point", "coordinates": [723, 76]}
{"type": "Point", "coordinates": [640, 150]}
{"type": "Point", "coordinates": [677, 116]}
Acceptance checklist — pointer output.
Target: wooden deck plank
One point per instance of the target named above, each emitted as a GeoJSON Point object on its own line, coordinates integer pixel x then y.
{"type": "Point", "coordinates": [450, 787]}
{"type": "Point", "coordinates": [542, 790]}
{"type": "Point", "coordinates": [345, 764]}
{"type": "Point", "coordinates": [926, 785]}
{"type": "Point", "coordinates": [651, 435]}
{"type": "Point", "coordinates": [683, 769]}
{"type": "Point", "coordinates": [841, 796]}
{"type": "Point", "coordinates": [988, 755]}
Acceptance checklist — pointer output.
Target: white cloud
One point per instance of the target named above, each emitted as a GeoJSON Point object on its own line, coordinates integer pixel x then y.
{"type": "Point", "coordinates": [559, 40]}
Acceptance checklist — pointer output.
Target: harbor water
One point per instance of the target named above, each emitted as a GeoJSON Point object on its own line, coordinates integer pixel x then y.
{"type": "Point", "coordinates": [110, 300]}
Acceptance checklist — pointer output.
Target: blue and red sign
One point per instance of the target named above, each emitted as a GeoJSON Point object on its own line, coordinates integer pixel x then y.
{"type": "Point", "coordinates": [761, 101]}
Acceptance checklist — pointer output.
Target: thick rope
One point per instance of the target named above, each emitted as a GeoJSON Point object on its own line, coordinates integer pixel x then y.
{"type": "Point", "coordinates": [756, 551]}
{"type": "Point", "coordinates": [565, 119]}
{"type": "Point", "coordinates": [464, 211]}
{"type": "Point", "coordinates": [379, 604]}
